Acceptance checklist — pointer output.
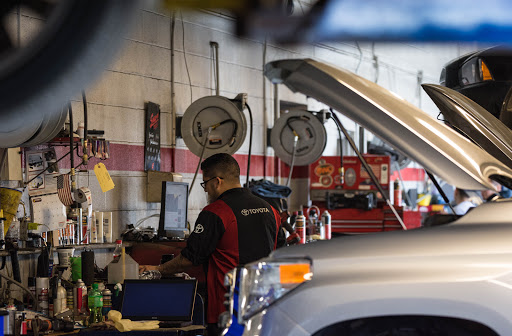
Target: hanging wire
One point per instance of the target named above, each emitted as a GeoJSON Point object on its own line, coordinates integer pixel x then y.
{"type": "Point", "coordinates": [200, 160]}
{"type": "Point", "coordinates": [360, 57]}
{"type": "Point", "coordinates": [185, 55]}
{"type": "Point", "coordinates": [250, 145]}
{"type": "Point", "coordinates": [295, 142]}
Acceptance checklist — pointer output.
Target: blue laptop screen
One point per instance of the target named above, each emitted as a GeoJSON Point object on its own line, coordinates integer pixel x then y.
{"type": "Point", "coordinates": [164, 300]}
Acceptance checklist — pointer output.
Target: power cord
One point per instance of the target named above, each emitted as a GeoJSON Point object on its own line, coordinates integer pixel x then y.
{"type": "Point", "coordinates": [250, 145]}
{"type": "Point", "coordinates": [185, 55]}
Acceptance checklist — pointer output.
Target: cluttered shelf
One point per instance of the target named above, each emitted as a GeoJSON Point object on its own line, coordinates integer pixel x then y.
{"type": "Point", "coordinates": [32, 250]}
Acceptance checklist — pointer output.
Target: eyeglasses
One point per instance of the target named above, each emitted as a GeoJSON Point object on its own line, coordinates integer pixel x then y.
{"type": "Point", "coordinates": [203, 184]}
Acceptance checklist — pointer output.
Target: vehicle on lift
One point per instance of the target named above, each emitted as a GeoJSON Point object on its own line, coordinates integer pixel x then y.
{"type": "Point", "coordinates": [484, 76]}
{"type": "Point", "coordinates": [451, 279]}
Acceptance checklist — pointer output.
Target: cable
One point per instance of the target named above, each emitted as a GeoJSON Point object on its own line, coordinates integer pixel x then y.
{"type": "Point", "coordinates": [84, 99]}
{"type": "Point", "coordinates": [250, 145]}
{"type": "Point", "coordinates": [295, 141]}
{"type": "Point", "coordinates": [375, 63]}
{"type": "Point", "coordinates": [360, 57]}
{"type": "Point", "coordinates": [84, 157]}
{"type": "Point", "coordinates": [185, 55]}
{"type": "Point", "coordinates": [235, 129]}
{"type": "Point", "coordinates": [341, 147]}
{"type": "Point", "coordinates": [368, 169]}
{"type": "Point", "coordinates": [215, 47]}
{"type": "Point", "coordinates": [140, 221]}
{"type": "Point", "coordinates": [200, 159]}
{"type": "Point", "coordinates": [70, 111]}
{"type": "Point", "coordinates": [71, 147]}
{"type": "Point", "coordinates": [303, 117]}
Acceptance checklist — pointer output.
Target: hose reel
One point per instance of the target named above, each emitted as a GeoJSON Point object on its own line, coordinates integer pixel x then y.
{"type": "Point", "coordinates": [298, 138]}
{"type": "Point", "coordinates": [215, 123]}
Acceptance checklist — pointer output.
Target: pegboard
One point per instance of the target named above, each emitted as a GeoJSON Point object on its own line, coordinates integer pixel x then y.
{"type": "Point", "coordinates": [49, 211]}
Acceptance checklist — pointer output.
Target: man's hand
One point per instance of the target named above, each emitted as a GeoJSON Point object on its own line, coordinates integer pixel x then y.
{"type": "Point", "coordinates": [144, 268]}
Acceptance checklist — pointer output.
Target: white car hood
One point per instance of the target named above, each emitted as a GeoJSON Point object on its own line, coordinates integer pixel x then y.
{"type": "Point", "coordinates": [408, 129]}
{"type": "Point", "coordinates": [474, 121]}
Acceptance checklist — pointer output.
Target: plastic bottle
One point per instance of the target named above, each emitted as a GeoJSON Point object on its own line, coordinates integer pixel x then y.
{"type": "Point", "coordinates": [300, 223]}
{"type": "Point", "coordinates": [320, 227]}
{"type": "Point", "coordinates": [311, 227]}
{"type": "Point", "coordinates": [118, 249]}
{"type": "Point", "coordinates": [59, 304]}
{"type": "Point", "coordinates": [95, 302]}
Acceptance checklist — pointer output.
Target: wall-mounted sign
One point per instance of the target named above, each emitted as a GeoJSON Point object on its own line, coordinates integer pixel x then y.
{"type": "Point", "coordinates": [152, 139]}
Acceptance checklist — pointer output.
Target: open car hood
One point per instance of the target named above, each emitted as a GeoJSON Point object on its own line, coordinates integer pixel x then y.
{"type": "Point", "coordinates": [472, 120]}
{"type": "Point", "coordinates": [408, 129]}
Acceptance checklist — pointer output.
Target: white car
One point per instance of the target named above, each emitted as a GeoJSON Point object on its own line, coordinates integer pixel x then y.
{"type": "Point", "coordinates": [452, 279]}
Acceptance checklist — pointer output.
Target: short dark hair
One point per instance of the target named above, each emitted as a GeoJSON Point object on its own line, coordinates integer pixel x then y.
{"type": "Point", "coordinates": [221, 165]}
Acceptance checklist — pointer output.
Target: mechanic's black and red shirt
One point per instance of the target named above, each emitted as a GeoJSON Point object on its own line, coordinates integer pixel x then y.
{"type": "Point", "coordinates": [236, 229]}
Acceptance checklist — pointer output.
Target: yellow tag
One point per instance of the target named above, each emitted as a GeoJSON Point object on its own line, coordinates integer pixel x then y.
{"type": "Point", "coordinates": [33, 226]}
{"type": "Point", "coordinates": [103, 177]}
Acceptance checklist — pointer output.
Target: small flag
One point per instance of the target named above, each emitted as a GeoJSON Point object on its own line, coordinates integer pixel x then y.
{"type": "Point", "coordinates": [64, 189]}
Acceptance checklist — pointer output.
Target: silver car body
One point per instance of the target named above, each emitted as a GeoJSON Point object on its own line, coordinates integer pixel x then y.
{"type": "Point", "coordinates": [460, 270]}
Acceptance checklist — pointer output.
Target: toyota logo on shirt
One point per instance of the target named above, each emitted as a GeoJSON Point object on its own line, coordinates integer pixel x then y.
{"type": "Point", "coordinates": [199, 229]}
{"type": "Point", "coordinates": [247, 212]}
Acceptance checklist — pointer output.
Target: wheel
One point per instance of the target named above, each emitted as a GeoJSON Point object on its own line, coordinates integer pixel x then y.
{"type": "Point", "coordinates": [77, 40]}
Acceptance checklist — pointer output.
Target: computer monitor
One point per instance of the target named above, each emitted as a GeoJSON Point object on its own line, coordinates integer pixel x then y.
{"type": "Point", "coordinates": [173, 211]}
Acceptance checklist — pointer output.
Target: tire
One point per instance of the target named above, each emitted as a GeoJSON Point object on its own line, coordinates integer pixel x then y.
{"type": "Point", "coordinates": [78, 40]}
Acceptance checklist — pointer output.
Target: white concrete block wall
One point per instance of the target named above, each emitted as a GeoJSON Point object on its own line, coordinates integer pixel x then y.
{"type": "Point", "coordinates": [142, 73]}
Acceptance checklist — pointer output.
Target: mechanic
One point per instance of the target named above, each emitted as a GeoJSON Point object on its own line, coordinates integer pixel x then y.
{"type": "Point", "coordinates": [235, 228]}
{"type": "Point", "coordinates": [465, 200]}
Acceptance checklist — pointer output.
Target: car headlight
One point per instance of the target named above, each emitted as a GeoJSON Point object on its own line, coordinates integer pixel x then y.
{"type": "Point", "coordinates": [263, 283]}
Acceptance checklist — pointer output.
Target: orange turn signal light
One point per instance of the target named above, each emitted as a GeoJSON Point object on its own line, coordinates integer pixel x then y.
{"type": "Point", "coordinates": [294, 273]}
{"type": "Point", "coordinates": [486, 74]}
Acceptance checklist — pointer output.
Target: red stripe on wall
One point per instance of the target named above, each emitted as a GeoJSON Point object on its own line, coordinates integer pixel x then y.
{"type": "Point", "coordinates": [131, 158]}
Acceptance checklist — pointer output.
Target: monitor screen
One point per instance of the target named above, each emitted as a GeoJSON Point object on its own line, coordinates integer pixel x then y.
{"type": "Point", "coordinates": [173, 212]}
{"type": "Point", "coordinates": [164, 300]}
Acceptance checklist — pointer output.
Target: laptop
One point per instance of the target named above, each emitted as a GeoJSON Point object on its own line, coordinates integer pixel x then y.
{"type": "Point", "coordinates": [170, 301]}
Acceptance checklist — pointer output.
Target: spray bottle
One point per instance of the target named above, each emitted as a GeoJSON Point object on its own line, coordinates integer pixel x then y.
{"type": "Point", "coordinates": [397, 194]}
{"type": "Point", "coordinates": [300, 223]}
{"type": "Point", "coordinates": [326, 221]}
